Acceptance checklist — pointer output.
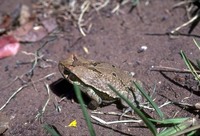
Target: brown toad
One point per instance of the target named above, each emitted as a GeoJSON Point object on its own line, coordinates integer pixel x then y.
{"type": "Point", "coordinates": [93, 78]}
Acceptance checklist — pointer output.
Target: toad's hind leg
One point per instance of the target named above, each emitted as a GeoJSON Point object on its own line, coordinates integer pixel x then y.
{"type": "Point", "coordinates": [95, 99]}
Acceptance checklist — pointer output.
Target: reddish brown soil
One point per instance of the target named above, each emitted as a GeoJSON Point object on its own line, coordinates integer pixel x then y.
{"type": "Point", "coordinates": [113, 38]}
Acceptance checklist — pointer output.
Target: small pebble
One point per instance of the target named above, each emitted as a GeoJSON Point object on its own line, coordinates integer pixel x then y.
{"type": "Point", "coordinates": [86, 50]}
{"type": "Point", "coordinates": [142, 49]}
{"type": "Point", "coordinates": [132, 74]}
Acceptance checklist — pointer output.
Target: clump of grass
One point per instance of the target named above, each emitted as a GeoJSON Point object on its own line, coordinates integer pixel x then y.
{"type": "Point", "coordinates": [193, 13]}
{"type": "Point", "coordinates": [150, 125]}
{"type": "Point", "coordinates": [177, 125]}
{"type": "Point", "coordinates": [51, 130]}
{"type": "Point", "coordinates": [193, 67]}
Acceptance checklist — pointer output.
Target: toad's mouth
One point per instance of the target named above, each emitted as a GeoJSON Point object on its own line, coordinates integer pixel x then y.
{"type": "Point", "coordinates": [63, 70]}
{"type": "Point", "coordinates": [67, 74]}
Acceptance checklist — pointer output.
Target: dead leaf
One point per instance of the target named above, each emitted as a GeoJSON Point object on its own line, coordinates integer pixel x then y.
{"type": "Point", "coordinates": [30, 33]}
{"type": "Point", "coordinates": [50, 24]}
{"type": "Point", "coordinates": [25, 15]}
{"type": "Point", "coordinates": [9, 46]}
{"type": "Point", "coordinates": [37, 33]}
{"type": "Point", "coordinates": [5, 22]}
{"type": "Point", "coordinates": [23, 30]}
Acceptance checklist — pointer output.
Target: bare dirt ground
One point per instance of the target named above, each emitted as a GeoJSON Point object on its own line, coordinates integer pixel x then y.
{"type": "Point", "coordinates": [113, 38]}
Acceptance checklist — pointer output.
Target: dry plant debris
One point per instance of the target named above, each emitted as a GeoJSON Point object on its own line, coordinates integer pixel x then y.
{"type": "Point", "coordinates": [73, 10]}
{"type": "Point", "coordinates": [34, 25]}
{"type": "Point", "coordinates": [192, 10]}
{"type": "Point", "coordinates": [4, 123]}
{"type": "Point", "coordinates": [22, 87]}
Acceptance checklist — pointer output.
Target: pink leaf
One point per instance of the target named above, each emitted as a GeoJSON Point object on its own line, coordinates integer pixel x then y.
{"type": "Point", "coordinates": [9, 46]}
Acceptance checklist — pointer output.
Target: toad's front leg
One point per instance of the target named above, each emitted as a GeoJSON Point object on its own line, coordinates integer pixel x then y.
{"type": "Point", "coordinates": [95, 99]}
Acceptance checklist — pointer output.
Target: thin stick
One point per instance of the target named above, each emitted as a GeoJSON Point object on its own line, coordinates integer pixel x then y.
{"type": "Point", "coordinates": [101, 5]}
{"type": "Point", "coordinates": [182, 3]}
{"type": "Point", "coordinates": [84, 8]}
{"type": "Point", "coordinates": [15, 93]}
{"type": "Point", "coordinates": [22, 87]}
{"type": "Point", "coordinates": [48, 91]}
{"type": "Point", "coordinates": [114, 122]}
{"type": "Point", "coordinates": [37, 57]}
{"type": "Point", "coordinates": [116, 8]}
{"type": "Point", "coordinates": [170, 69]}
{"type": "Point", "coordinates": [185, 24]}
{"type": "Point", "coordinates": [112, 113]}
{"type": "Point", "coordinates": [45, 105]}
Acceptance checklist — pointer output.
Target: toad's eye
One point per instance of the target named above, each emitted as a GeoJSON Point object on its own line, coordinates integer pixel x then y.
{"type": "Point", "coordinates": [66, 72]}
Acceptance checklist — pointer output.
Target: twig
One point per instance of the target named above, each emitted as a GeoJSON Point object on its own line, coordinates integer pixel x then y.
{"type": "Point", "coordinates": [182, 3]}
{"type": "Point", "coordinates": [22, 87]}
{"type": "Point", "coordinates": [45, 105]}
{"type": "Point", "coordinates": [185, 24]}
{"type": "Point", "coordinates": [196, 106]}
{"type": "Point", "coordinates": [115, 122]}
{"type": "Point", "coordinates": [84, 8]}
{"type": "Point", "coordinates": [112, 113]}
{"type": "Point", "coordinates": [98, 6]}
{"type": "Point", "coordinates": [166, 103]}
{"type": "Point", "coordinates": [170, 69]}
{"type": "Point", "coordinates": [37, 57]}
{"type": "Point", "coordinates": [116, 8]}
{"type": "Point", "coordinates": [15, 93]}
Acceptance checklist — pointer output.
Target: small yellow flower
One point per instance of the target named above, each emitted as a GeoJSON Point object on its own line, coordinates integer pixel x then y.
{"type": "Point", "coordinates": [73, 124]}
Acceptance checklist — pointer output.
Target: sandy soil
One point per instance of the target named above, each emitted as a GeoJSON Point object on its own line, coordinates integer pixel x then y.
{"type": "Point", "coordinates": [113, 38]}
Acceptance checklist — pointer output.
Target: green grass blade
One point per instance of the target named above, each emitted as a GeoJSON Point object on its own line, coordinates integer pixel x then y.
{"type": "Point", "coordinates": [191, 129]}
{"type": "Point", "coordinates": [189, 65]}
{"type": "Point", "coordinates": [137, 111]}
{"type": "Point", "coordinates": [135, 2]}
{"type": "Point", "coordinates": [85, 114]}
{"type": "Point", "coordinates": [169, 121]}
{"type": "Point", "coordinates": [178, 128]}
{"type": "Point", "coordinates": [51, 130]}
{"type": "Point", "coordinates": [153, 104]}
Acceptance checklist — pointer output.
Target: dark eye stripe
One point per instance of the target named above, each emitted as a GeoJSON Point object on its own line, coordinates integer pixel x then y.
{"type": "Point", "coordinates": [66, 72]}
{"type": "Point", "coordinates": [114, 74]}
